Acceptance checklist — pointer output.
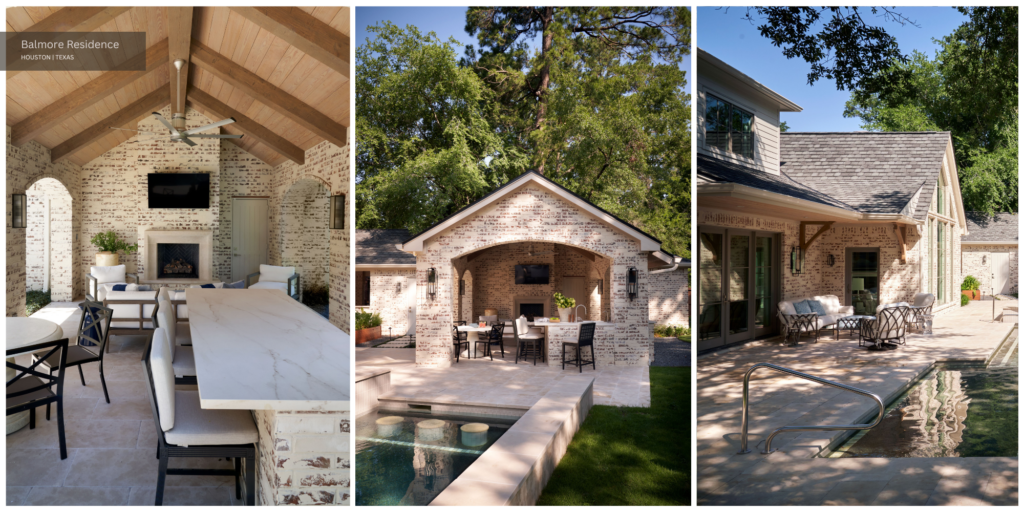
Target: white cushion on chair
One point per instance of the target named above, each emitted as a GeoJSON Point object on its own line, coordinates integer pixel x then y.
{"type": "Point", "coordinates": [196, 426]}
{"type": "Point", "coordinates": [270, 285]}
{"type": "Point", "coordinates": [275, 274]}
{"type": "Point", "coordinates": [126, 315]}
{"type": "Point", "coordinates": [164, 294]}
{"type": "Point", "coordinates": [787, 307]}
{"type": "Point", "coordinates": [163, 378]}
{"type": "Point", "coordinates": [184, 362]}
{"type": "Point", "coordinates": [114, 274]}
{"type": "Point", "coordinates": [165, 319]}
{"type": "Point", "coordinates": [924, 299]}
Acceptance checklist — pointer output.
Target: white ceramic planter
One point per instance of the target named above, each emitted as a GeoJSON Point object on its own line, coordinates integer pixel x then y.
{"type": "Point", "coordinates": [564, 314]}
{"type": "Point", "coordinates": [107, 259]}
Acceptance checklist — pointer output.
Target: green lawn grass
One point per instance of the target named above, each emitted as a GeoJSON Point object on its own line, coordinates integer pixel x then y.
{"type": "Point", "coordinates": [630, 455]}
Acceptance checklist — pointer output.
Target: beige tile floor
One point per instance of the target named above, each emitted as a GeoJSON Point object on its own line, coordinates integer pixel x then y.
{"type": "Point", "coordinates": [501, 382]}
{"type": "Point", "coordinates": [111, 447]}
{"type": "Point", "coordinates": [792, 476]}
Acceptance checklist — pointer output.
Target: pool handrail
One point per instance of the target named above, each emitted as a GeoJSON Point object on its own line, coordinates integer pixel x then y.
{"type": "Point", "coordinates": [790, 371]}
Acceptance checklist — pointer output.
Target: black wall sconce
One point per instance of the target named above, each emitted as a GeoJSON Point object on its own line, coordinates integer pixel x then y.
{"type": "Point", "coordinates": [19, 213]}
{"type": "Point", "coordinates": [338, 211]}
{"type": "Point", "coordinates": [632, 276]}
{"type": "Point", "coordinates": [600, 287]}
{"type": "Point", "coordinates": [983, 260]}
{"type": "Point", "coordinates": [462, 286]}
{"type": "Point", "coordinates": [796, 260]}
{"type": "Point", "coordinates": [431, 283]}
{"type": "Point", "coordinates": [831, 260]}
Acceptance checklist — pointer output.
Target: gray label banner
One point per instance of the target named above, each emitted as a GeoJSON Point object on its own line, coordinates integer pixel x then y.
{"type": "Point", "coordinates": [74, 51]}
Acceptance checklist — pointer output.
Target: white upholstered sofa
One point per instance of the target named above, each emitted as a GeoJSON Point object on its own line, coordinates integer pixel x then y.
{"type": "Point", "coordinates": [796, 323]}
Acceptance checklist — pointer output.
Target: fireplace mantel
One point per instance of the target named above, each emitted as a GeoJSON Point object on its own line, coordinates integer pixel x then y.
{"type": "Point", "coordinates": [546, 300]}
{"type": "Point", "coordinates": [153, 237]}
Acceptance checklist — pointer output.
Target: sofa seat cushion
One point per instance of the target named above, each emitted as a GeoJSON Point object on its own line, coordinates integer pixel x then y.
{"type": "Point", "coordinates": [195, 426]}
{"type": "Point", "coordinates": [184, 362]}
{"type": "Point", "coordinates": [276, 274]}
{"type": "Point", "coordinates": [270, 285]}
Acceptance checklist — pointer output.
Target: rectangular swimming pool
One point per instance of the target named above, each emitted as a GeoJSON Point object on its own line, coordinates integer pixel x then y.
{"type": "Point", "coordinates": [408, 458]}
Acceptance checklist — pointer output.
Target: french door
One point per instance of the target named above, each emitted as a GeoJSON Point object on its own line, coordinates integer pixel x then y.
{"type": "Point", "coordinates": [737, 287]}
{"type": "Point", "coordinates": [862, 279]}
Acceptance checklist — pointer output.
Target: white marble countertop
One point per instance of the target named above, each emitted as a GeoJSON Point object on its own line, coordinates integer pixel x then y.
{"type": "Point", "coordinates": [569, 324]}
{"type": "Point", "coordinates": [261, 349]}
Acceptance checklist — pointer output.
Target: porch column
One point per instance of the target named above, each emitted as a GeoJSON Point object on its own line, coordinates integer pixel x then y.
{"type": "Point", "coordinates": [434, 313]}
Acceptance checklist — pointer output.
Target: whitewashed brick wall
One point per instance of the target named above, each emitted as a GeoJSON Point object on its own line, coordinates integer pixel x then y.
{"type": "Point", "coordinates": [305, 230]}
{"type": "Point", "coordinates": [670, 298]}
{"type": "Point", "coordinates": [241, 174]}
{"type": "Point", "coordinates": [60, 233]}
{"type": "Point", "coordinates": [977, 262]}
{"type": "Point", "coordinates": [530, 213]}
{"type": "Point", "coordinates": [304, 458]}
{"type": "Point", "coordinates": [26, 165]}
{"type": "Point", "coordinates": [389, 290]}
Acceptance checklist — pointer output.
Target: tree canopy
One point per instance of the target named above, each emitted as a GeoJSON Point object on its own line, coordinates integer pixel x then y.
{"type": "Point", "coordinates": [593, 98]}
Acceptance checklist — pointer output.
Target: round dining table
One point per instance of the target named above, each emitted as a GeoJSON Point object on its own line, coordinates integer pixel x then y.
{"type": "Point", "coordinates": [22, 332]}
{"type": "Point", "coordinates": [472, 336]}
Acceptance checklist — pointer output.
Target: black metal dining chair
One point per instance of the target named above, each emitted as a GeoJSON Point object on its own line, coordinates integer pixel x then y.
{"type": "Point", "coordinates": [586, 339]}
{"type": "Point", "coordinates": [459, 339]}
{"type": "Point", "coordinates": [31, 388]}
{"type": "Point", "coordinates": [94, 327]}
{"type": "Point", "coordinates": [495, 335]}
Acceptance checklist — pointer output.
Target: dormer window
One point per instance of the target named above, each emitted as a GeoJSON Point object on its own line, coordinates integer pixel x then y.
{"type": "Point", "coordinates": [728, 127]}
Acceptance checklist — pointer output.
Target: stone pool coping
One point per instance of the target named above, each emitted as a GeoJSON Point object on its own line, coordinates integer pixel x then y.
{"type": "Point", "coordinates": [515, 469]}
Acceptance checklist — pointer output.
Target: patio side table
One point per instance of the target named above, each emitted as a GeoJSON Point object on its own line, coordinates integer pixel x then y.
{"type": "Point", "coordinates": [472, 335]}
{"type": "Point", "coordinates": [851, 323]}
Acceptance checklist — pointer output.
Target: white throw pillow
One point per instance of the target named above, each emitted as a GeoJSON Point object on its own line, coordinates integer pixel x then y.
{"type": "Point", "coordinates": [160, 360]}
{"type": "Point", "coordinates": [114, 274]}
{"type": "Point", "coordinates": [275, 274]}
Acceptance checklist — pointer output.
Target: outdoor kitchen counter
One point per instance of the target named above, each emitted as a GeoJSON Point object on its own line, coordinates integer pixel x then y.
{"type": "Point", "coordinates": [264, 351]}
{"type": "Point", "coordinates": [556, 333]}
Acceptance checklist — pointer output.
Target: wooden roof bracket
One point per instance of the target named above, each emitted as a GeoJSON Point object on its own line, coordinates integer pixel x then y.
{"type": "Point", "coordinates": [901, 238]}
{"type": "Point", "coordinates": [825, 226]}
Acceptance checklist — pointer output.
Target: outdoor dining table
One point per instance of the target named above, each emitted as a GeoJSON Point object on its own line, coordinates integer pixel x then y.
{"type": "Point", "coordinates": [22, 332]}
{"type": "Point", "coordinates": [472, 336]}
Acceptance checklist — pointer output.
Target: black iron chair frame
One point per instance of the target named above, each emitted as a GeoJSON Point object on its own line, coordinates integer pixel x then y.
{"type": "Point", "coordinates": [917, 314]}
{"type": "Point", "coordinates": [799, 323]}
{"type": "Point", "coordinates": [165, 452]}
{"type": "Point", "coordinates": [46, 381]}
{"type": "Point", "coordinates": [535, 346]}
{"type": "Point", "coordinates": [586, 339]}
{"type": "Point", "coordinates": [888, 320]}
{"type": "Point", "coordinates": [495, 335]}
{"type": "Point", "coordinates": [457, 339]}
{"type": "Point", "coordinates": [104, 331]}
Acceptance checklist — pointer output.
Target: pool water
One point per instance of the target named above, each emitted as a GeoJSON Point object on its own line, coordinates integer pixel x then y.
{"type": "Point", "coordinates": [953, 411]}
{"type": "Point", "coordinates": [406, 464]}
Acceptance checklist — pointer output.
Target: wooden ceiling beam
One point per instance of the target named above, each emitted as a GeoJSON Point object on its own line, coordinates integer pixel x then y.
{"type": "Point", "coordinates": [73, 19]}
{"type": "Point", "coordinates": [267, 93]}
{"type": "Point", "coordinates": [211, 105]}
{"type": "Point", "coordinates": [179, 41]}
{"type": "Point", "coordinates": [303, 31]}
{"type": "Point", "coordinates": [87, 95]}
{"type": "Point", "coordinates": [148, 103]}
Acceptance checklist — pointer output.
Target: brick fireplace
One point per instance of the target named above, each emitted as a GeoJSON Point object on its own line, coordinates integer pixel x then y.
{"type": "Point", "coordinates": [180, 256]}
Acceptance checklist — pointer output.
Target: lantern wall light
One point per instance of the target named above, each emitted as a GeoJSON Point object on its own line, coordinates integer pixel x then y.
{"type": "Point", "coordinates": [19, 213]}
{"type": "Point", "coordinates": [338, 211]}
{"type": "Point", "coordinates": [632, 286]}
{"type": "Point", "coordinates": [796, 260]}
{"type": "Point", "coordinates": [432, 283]}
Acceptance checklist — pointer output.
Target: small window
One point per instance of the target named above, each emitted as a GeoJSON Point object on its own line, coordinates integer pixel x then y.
{"type": "Point", "coordinates": [728, 127]}
{"type": "Point", "coordinates": [940, 197]}
{"type": "Point", "coordinates": [362, 288]}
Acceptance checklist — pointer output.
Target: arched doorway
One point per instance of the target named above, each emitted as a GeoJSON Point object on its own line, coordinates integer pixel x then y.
{"type": "Point", "coordinates": [306, 239]}
{"type": "Point", "coordinates": [48, 240]}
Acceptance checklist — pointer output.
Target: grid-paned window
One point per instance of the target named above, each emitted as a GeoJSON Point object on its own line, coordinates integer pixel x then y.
{"type": "Point", "coordinates": [941, 272]}
{"type": "Point", "coordinates": [728, 127]}
{"type": "Point", "coordinates": [940, 196]}
{"type": "Point", "coordinates": [362, 288]}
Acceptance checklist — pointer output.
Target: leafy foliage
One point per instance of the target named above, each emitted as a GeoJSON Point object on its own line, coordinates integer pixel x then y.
{"type": "Point", "coordinates": [964, 300]}
{"type": "Point", "coordinates": [36, 300]}
{"type": "Point", "coordinates": [366, 320]}
{"type": "Point", "coordinates": [109, 242]}
{"type": "Point", "coordinates": [970, 283]}
{"type": "Point", "coordinates": [561, 301]}
{"type": "Point", "coordinates": [670, 331]}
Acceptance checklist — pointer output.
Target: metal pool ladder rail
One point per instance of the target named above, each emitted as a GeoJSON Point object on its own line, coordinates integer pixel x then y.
{"type": "Point", "coordinates": [789, 371]}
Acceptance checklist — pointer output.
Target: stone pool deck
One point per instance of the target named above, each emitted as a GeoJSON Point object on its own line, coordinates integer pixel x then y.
{"type": "Point", "coordinates": [501, 382]}
{"type": "Point", "coordinates": [792, 476]}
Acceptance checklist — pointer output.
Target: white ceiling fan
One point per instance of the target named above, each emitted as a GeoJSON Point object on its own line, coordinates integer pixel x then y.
{"type": "Point", "coordinates": [177, 126]}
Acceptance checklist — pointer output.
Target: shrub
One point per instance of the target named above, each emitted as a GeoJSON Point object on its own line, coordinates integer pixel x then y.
{"type": "Point", "coordinates": [316, 294]}
{"type": "Point", "coordinates": [366, 320]}
{"type": "Point", "coordinates": [109, 242]}
{"type": "Point", "coordinates": [970, 283]}
{"type": "Point", "coordinates": [964, 300]}
{"type": "Point", "coordinates": [36, 300]}
{"type": "Point", "coordinates": [682, 331]}
{"type": "Point", "coordinates": [669, 331]}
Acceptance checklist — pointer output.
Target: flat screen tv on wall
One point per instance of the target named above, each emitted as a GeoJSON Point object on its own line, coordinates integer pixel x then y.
{"type": "Point", "coordinates": [531, 274]}
{"type": "Point", "coordinates": [173, 190]}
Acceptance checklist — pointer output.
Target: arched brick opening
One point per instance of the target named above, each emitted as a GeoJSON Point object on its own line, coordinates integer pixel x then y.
{"type": "Point", "coordinates": [49, 238]}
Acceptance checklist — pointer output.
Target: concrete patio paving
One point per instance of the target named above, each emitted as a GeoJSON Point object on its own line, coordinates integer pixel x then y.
{"type": "Point", "coordinates": [501, 382]}
{"type": "Point", "coordinates": [111, 447]}
{"type": "Point", "coordinates": [792, 475]}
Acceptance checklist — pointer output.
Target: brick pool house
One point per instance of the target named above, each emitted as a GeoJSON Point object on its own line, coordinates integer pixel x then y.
{"type": "Point", "coordinates": [528, 221]}
{"type": "Point", "coordinates": [989, 252]}
{"type": "Point", "coordinates": [871, 217]}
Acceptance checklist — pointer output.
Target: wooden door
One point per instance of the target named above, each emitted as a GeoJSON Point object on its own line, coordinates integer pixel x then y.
{"type": "Point", "coordinates": [249, 236]}
{"type": "Point", "coordinates": [576, 288]}
{"type": "Point", "coordinates": [1000, 272]}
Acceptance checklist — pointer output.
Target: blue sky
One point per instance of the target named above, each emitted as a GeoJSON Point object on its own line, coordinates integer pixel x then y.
{"type": "Point", "coordinates": [738, 43]}
{"type": "Point", "coordinates": [444, 21]}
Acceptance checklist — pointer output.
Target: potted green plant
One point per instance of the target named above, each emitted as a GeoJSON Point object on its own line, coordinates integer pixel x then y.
{"type": "Point", "coordinates": [109, 246]}
{"type": "Point", "coordinates": [564, 305]}
{"type": "Point", "coordinates": [970, 288]}
{"type": "Point", "coordinates": [367, 326]}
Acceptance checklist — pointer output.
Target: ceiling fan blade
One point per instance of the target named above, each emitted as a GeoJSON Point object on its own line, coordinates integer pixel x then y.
{"type": "Point", "coordinates": [165, 123]}
{"type": "Point", "coordinates": [130, 130]}
{"type": "Point", "coordinates": [186, 141]}
{"type": "Point", "coordinates": [150, 139]}
{"type": "Point", "coordinates": [209, 126]}
{"type": "Point", "coordinates": [213, 136]}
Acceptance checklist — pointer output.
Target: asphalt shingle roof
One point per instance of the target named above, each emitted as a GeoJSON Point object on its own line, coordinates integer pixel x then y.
{"type": "Point", "coordinates": [713, 170]}
{"type": "Point", "coordinates": [873, 172]}
{"type": "Point", "coordinates": [981, 227]}
{"type": "Point", "coordinates": [377, 247]}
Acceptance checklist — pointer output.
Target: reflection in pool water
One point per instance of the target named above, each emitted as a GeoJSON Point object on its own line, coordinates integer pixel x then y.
{"type": "Point", "coordinates": [954, 411]}
{"type": "Point", "coordinates": [409, 458]}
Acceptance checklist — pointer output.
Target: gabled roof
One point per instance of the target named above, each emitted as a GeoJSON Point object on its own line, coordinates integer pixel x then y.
{"type": "Point", "coordinates": [785, 105]}
{"type": "Point", "coordinates": [1001, 227]}
{"type": "Point", "coordinates": [378, 247]}
{"type": "Point", "coordinates": [647, 242]}
{"type": "Point", "coordinates": [713, 170]}
{"type": "Point", "coordinates": [872, 172]}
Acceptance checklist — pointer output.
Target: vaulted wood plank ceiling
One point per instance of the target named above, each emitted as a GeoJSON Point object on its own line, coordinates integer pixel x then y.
{"type": "Point", "coordinates": [280, 68]}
